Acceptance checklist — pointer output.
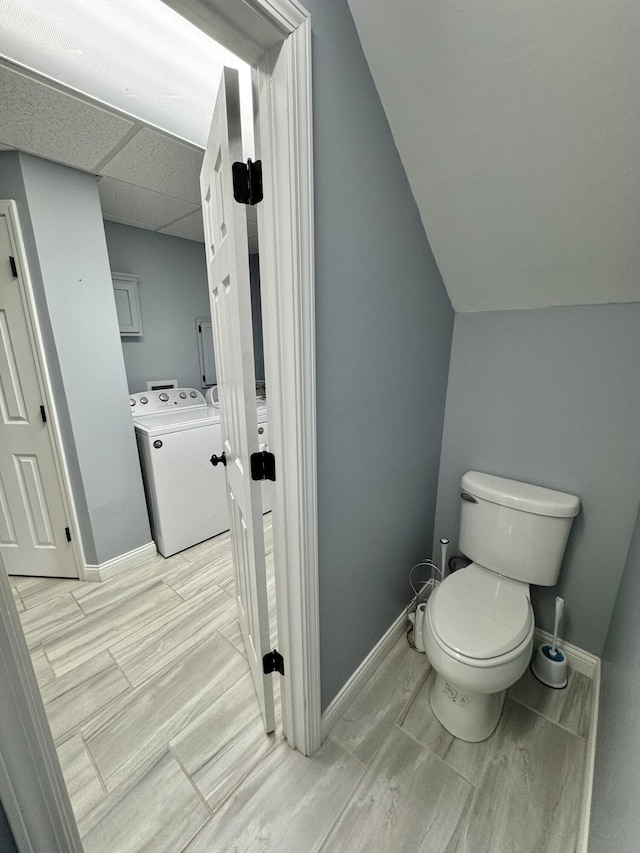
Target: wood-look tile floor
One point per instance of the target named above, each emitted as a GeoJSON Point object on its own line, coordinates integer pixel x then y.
{"type": "Point", "coordinates": [151, 705]}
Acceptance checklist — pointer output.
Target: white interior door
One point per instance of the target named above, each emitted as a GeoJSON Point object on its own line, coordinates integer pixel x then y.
{"type": "Point", "coordinates": [34, 532]}
{"type": "Point", "coordinates": [225, 228]}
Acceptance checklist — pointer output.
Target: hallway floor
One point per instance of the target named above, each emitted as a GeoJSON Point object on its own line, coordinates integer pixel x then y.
{"type": "Point", "coordinates": [150, 702]}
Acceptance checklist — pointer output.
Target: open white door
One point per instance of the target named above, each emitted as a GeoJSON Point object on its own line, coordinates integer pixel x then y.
{"type": "Point", "coordinates": [227, 250]}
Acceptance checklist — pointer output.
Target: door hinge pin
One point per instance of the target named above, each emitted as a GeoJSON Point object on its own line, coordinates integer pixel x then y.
{"type": "Point", "coordinates": [68, 534]}
{"type": "Point", "coordinates": [247, 182]}
{"type": "Point", "coordinates": [14, 268]}
{"type": "Point", "coordinates": [43, 414]}
{"type": "Point", "coordinates": [263, 466]}
{"type": "Point", "coordinates": [273, 662]}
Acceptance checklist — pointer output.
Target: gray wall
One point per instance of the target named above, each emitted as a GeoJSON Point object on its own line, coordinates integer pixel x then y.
{"type": "Point", "coordinates": [12, 187]}
{"type": "Point", "coordinates": [384, 326]}
{"type": "Point", "coordinates": [173, 291]}
{"type": "Point", "coordinates": [615, 820]}
{"type": "Point", "coordinates": [552, 396]}
{"type": "Point", "coordinates": [63, 208]}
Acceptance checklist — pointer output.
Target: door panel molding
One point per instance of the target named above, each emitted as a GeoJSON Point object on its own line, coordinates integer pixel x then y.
{"type": "Point", "coordinates": [9, 211]}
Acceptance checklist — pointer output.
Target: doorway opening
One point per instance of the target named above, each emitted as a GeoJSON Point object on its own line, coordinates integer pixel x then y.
{"type": "Point", "coordinates": [276, 42]}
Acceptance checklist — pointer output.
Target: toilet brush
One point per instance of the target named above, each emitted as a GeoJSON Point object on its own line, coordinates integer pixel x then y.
{"type": "Point", "coordinates": [550, 665]}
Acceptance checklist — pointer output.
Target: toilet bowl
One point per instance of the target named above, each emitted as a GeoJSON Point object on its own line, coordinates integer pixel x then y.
{"type": "Point", "coordinates": [478, 636]}
{"type": "Point", "coordinates": [478, 626]}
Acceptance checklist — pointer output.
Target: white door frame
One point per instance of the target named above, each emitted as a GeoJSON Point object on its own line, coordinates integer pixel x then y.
{"type": "Point", "coordinates": [275, 37]}
{"type": "Point", "coordinates": [9, 209]}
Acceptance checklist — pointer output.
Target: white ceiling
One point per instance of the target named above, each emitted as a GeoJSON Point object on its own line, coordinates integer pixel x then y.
{"type": "Point", "coordinates": [519, 127]}
{"type": "Point", "coordinates": [149, 179]}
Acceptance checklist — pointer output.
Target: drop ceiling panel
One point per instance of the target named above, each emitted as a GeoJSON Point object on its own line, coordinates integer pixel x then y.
{"type": "Point", "coordinates": [146, 208]}
{"type": "Point", "coordinates": [190, 227]}
{"type": "Point", "coordinates": [49, 123]}
{"type": "Point", "coordinates": [160, 163]}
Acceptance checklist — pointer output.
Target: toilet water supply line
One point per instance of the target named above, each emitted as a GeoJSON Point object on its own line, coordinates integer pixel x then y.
{"type": "Point", "coordinates": [413, 615]}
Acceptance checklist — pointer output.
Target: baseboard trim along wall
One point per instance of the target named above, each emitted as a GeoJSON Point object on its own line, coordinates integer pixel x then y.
{"type": "Point", "coordinates": [589, 665]}
{"type": "Point", "coordinates": [363, 673]}
{"type": "Point", "coordinates": [120, 564]}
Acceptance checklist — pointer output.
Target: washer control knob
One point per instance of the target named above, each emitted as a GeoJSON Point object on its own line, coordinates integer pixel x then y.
{"type": "Point", "coordinates": [132, 402]}
{"type": "Point", "coordinates": [157, 444]}
{"type": "Point", "coordinates": [183, 395]}
{"type": "Point", "coordinates": [164, 397]}
{"type": "Point", "coordinates": [193, 394]}
{"type": "Point", "coordinates": [144, 400]}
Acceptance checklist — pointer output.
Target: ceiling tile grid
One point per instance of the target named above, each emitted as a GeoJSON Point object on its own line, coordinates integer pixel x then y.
{"type": "Point", "coordinates": [140, 205]}
{"type": "Point", "coordinates": [137, 163]}
{"type": "Point", "coordinates": [41, 120]}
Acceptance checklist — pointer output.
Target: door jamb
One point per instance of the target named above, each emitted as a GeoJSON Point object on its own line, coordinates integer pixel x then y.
{"type": "Point", "coordinates": [274, 36]}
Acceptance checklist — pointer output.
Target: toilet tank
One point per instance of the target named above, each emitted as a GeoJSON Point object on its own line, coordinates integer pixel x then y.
{"type": "Point", "coordinates": [516, 529]}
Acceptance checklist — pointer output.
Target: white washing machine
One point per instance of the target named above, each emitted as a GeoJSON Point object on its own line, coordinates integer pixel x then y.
{"type": "Point", "coordinates": [177, 433]}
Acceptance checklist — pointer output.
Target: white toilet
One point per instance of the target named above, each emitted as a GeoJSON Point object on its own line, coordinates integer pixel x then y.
{"type": "Point", "coordinates": [478, 625]}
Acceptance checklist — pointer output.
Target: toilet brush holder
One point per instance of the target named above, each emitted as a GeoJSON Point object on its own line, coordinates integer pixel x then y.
{"type": "Point", "coordinates": [550, 666]}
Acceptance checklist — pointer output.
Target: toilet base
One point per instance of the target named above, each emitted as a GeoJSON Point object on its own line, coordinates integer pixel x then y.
{"type": "Point", "coordinates": [465, 714]}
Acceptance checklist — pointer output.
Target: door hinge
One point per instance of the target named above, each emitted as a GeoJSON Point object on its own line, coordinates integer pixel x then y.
{"type": "Point", "coordinates": [273, 662]}
{"type": "Point", "coordinates": [43, 415]}
{"type": "Point", "coordinates": [247, 182]}
{"type": "Point", "coordinates": [68, 534]}
{"type": "Point", "coordinates": [14, 268]}
{"type": "Point", "coordinates": [263, 466]}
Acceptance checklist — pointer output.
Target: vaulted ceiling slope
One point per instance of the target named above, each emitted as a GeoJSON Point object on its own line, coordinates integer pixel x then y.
{"type": "Point", "coordinates": [518, 125]}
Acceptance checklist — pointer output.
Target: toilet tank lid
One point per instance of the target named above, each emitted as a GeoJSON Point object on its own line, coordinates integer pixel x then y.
{"type": "Point", "coordinates": [523, 496]}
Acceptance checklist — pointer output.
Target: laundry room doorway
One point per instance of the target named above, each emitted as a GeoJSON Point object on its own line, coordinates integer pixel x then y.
{"type": "Point", "coordinates": [275, 39]}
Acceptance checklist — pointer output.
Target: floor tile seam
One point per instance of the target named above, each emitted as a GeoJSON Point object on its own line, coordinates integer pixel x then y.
{"type": "Point", "coordinates": [93, 763]}
{"type": "Point", "coordinates": [279, 739]}
{"type": "Point", "coordinates": [193, 784]}
{"type": "Point", "coordinates": [121, 791]}
{"type": "Point", "coordinates": [187, 708]}
{"type": "Point", "coordinates": [170, 664]}
{"type": "Point", "coordinates": [181, 613]}
{"type": "Point", "coordinates": [109, 587]}
{"type": "Point", "coordinates": [348, 752]}
{"type": "Point", "coordinates": [413, 695]}
{"type": "Point", "coordinates": [323, 842]}
{"type": "Point", "coordinates": [439, 758]}
{"type": "Point", "coordinates": [48, 604]}
{"type": "Point", "coordinates": [95, 617]}
{"type": "Point", "coordinates": [86, 662]}
{"type": "Point", "coordinates": [553, 722]}
{"type": "Point", "coordinates": [118, 603]}
{"type": "Point", "coordinates": [82, 725]}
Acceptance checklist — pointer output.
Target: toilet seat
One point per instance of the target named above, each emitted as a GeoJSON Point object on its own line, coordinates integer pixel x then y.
{"type": "Point", "coordinates": [479, 614]}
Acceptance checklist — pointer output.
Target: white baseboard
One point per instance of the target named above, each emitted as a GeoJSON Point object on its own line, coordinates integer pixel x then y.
{"type": "Point", "coordinates": [362, 674]}
{"type": "Point", "coordinates": [120, 564]}
{"type": "Point", "coordinates": [577, 658]}
{"type": "Point", "coordinates": [589, 665]}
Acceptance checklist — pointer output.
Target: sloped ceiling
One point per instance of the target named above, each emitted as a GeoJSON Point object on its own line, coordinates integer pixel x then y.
{"type": "Point", "coordinates": [518, 125]}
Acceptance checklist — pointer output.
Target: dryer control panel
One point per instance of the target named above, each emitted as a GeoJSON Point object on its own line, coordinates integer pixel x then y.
{"type": "Point", "coordinates": [152, 402]}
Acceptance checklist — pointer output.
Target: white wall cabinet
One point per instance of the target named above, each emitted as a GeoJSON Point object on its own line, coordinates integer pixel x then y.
{"type": "Point", "coordinates": [125, 290]}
